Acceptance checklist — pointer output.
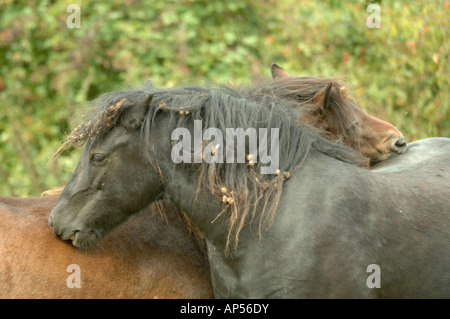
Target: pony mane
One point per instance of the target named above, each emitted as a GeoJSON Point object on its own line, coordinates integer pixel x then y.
{"type": "Point", "coordinates": [105, 113]}
{"type": "Point", "coordinates": [247, 191]}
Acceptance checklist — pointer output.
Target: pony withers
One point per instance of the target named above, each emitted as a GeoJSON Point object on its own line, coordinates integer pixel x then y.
{"type": "Point", "coordinates": [312, 232]}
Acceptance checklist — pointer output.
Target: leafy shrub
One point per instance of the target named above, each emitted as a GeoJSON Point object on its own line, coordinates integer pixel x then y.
{"type": "Point", "coordinates": [399, 72]}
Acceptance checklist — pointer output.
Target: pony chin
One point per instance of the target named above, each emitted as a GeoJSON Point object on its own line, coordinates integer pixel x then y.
{"type": "Point", "coordinates": [85, 239]}
{"type": "Point", "coordinates": [378, 157]}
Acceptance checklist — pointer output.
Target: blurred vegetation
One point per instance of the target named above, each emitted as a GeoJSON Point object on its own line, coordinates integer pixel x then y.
{"type": "Point", "coordinates": [399, 72]}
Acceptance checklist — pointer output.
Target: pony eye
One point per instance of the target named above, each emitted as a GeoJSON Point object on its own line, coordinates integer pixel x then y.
{"type": "Point", "coordinates": [98, 159]}
{"type": "Point", "coordinates": [355, 126]}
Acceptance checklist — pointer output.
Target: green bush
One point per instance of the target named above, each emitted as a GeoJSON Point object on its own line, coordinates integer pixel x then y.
{"type": "Point", "coordinates": [399, 72]}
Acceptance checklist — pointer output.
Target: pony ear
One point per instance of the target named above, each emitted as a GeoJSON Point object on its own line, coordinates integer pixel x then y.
{"type": "Point", "coordinates": [322, 98]}
{"type": "Point", "coordinates": [133, 117]}
{"type": "Point", "coordinates": [278, 72]}
{"type": "Point", "coordinates": [147, 86]}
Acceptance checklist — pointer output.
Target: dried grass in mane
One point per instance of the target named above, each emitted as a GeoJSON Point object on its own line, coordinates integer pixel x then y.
{"type": "Point", "coordinates": [249, 193]}
{"type": "Point", "coordinates": [106, 111]}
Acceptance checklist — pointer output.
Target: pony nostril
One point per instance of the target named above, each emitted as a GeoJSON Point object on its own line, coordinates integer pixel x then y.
{"type": "Point", "coordinates": [401, 142]}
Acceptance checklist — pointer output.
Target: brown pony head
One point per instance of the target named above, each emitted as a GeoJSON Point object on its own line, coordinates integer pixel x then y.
{"type": "Point", "coordinates": [327, 106]}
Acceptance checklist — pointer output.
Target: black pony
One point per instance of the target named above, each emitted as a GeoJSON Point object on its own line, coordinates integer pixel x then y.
{"type": "Point", "coordinates": [316, 227]}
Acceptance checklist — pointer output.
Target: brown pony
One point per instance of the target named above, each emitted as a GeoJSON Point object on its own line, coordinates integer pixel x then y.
{"type": "Point", "coordinates": [36, 264]}
{"type": "Point", "coordinates": [147, 265]}
{"type": "Point", "coordinates": [326, 105]}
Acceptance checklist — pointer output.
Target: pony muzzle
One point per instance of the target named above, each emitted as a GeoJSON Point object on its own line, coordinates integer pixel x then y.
{"type": "Point", "coordinates": [400, 146]}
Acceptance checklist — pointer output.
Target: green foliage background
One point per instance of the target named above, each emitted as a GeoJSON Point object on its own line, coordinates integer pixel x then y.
{"type": "Point", "coordinates": [399, 72]}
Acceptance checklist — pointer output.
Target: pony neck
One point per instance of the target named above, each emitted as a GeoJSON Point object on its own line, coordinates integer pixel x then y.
{"type": "Point", "coordinates": [181, 188]}
{"type": "Point", "coordinates": [202, 207]}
